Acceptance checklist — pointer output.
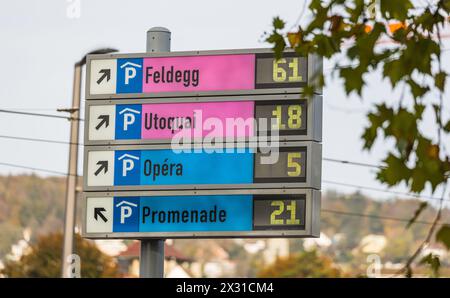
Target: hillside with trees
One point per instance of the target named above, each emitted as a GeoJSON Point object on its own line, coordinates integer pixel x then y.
{"type": "Point", "coordinates": [30, 201]}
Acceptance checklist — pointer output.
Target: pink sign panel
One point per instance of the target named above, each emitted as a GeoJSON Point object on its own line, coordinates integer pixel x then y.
{"type": "Point", "coordinates": [199, 73]}
{"type": "Point", "coordinates": [213, 119]}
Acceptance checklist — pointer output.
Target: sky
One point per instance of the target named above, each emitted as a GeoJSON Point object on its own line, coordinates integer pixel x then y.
{"type": "Point", "coordinates": [41, 40]}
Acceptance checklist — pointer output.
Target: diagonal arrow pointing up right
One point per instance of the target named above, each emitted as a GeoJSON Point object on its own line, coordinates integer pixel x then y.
{"type": "Point", "coordinates": [103, 119]}
{"type": "Point", "coordinates": [103, 164]}
{"type": "Point", "coordinates": [106, 74]}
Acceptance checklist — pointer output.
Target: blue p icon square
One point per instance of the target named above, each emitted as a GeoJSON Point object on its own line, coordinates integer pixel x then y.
{"type": "Point", "coordinates": [126, 214]}
{"type": "Point", "coordinates": [128, 122]}
{"type": "Point", "coordinates": [129, 75]}
{"type": "Point", "coordinates": [127, 164]}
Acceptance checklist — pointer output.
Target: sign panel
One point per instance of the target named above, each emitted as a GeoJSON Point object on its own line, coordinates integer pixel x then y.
{"type": "Point", "coordinates": [201, 73]}
{"type": "Point", "coordinates": [206, 214]}
{"type": "Point", "coordinates": [294, 164]}
{"type": "Point", "coordinates": [240, 118]}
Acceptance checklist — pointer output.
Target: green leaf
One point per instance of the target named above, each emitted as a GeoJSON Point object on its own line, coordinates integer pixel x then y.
{"type": "Point", "coordinates": [278, 23]}
{"type": "Point", "coordinates": [395, 9]}
{"type": "Point", "coordinates": [417, 213]}
{"type": "Point", "coordinates": [357, 12]}
{"type": "Point", "coordinates": [439, 80]}
{"type": "Point", "coordinates": [419, 109]}
{"type": "Point", "coordinates": [434, 263]}
{"type": "Point", "coordinates": [446, 5]}
{"type": "Point", "coordinates": [394, 71]}
{"type": "Point", "coordinates": [418, 180]}
{"type": "Point", "coordinates": [325, 45]}
{"type": "Point", "coordinates": [403, 126]}
{"type": "Point", "coordinates": [353, 79]}
{"type": "Point", "coordinates": [416, 89]}
{"type": "Point", "coordinates": [426, 20]}
{"type": "Point", "coordinates": [395, 171]}
{"type": "Point", "coordinates": [426, 48]}
{"type": "Point", "coordinates": [443, 236]}
{"type": "Point", "coordinates": [377, 120]}
{"type": "Point", "coordinates": [278, 42]}
{"type": "Point", "coordinates": [447, 126]}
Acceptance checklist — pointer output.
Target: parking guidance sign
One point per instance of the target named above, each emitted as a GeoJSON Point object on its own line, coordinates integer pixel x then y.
{"type": "Point", "coordinates": [256, 213]}
{"type": "Point", "coordinates": [202, 144]}
{"type": "Point", "coordinates": [296, 164]}
{"type": "Point", "coordinates": [233, 118]}
{"type": "Point", "coordinates": [209, 72]}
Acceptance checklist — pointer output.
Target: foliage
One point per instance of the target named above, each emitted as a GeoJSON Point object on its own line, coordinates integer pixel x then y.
{"type": "Point", "coordinates": [411, 62]}
{"type": "Point", "coordinates": [433, 262]}
{"type": "Point", "coordinates": [44, 259]}
{"type": "Point", "coordinates": [29, 201]}
{"type": "Point", "coordinates": [303, 264]}
{"type": "Point", "coordinates": [443, 236]}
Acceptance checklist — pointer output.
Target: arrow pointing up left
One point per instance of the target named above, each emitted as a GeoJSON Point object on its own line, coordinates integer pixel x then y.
{"type": "Point", "coordinates": [106, 74]}
{"type": "Point", "coordinates": [98, 212]}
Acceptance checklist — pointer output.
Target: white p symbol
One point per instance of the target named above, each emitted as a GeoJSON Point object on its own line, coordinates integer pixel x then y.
{"type": "Point", "coordinates": [130, 72]}
{"type": "Point", "coordinates": [128, 165]}
{"type": "Point", "coordinates": [125, 212]}
{"type": "Point", "coordinates": [128, 119]}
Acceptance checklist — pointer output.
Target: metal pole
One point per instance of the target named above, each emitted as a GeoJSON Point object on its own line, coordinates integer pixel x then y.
{"type": "Point", "coordinates": [151, 263]}
{"type": "Point", "coordinates": [72, 174]}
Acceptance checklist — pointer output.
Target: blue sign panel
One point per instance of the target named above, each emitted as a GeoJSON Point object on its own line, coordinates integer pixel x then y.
{"type": "Point", "coordinates": [126, 214]}
{"type": "Point", "coordinates": [196, 213]}
{"type": "Point", "coordinates": [129, 75]}
{"type": "Point", "coordinates": [127, 164]}
{"type": "Point", "coordinates": [166, 167]}
{"type": "Point", "coordinates": [128, 122]}
{"type": "Point", "coordinates": [193, 214]}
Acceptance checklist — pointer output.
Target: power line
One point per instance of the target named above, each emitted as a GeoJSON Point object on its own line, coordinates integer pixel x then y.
{"type": "Point", "coordinates": [39, 115]}
{"type": "Point", "coordinates": [34, 169]}
{"type": "Point", "coordinates": [38, 140]}
{"type": "Point", "coordinates": [382, 190]}
{"type": "Point", "coordinates": [30, 109]}
{"type": "Point", "coordinates": [353, 163]}
{"type": "Point", "coordinates": [376, 216]}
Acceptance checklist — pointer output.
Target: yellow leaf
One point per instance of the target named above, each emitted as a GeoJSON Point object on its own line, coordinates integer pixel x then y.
{"type": "Point", "coordinates": [294, 38]}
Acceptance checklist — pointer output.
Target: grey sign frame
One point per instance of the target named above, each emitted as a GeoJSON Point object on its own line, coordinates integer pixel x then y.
{"type": "Point", "coordinates": [314, 67]}
{"type": "Point", "coordinates": [312, 216]}
{"type": "Point", "coordinates": [313, 116]}
{"type": "Point", "coordinates": [313, 170]}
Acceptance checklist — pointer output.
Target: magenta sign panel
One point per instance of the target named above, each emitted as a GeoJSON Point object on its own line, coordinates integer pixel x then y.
{"type": "Point", "coordinates": [198, 73]}
{"type": "Point", "coordinates": [193, 73]}
{"type": "Point", "coordinates": [164, 121]}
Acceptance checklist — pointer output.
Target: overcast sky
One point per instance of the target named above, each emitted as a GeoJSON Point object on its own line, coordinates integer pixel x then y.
{"type": "Point", "coordinates": [41, 40]}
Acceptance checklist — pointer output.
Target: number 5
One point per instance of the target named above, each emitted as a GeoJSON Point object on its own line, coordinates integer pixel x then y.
{"type": "Point", "coordinates": [294, 164]}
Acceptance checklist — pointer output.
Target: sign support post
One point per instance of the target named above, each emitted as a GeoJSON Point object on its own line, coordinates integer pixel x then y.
{"type": "Point", "coordinates": [69, 219]}
{"type": "Point", "coordinates": [151, 262]}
